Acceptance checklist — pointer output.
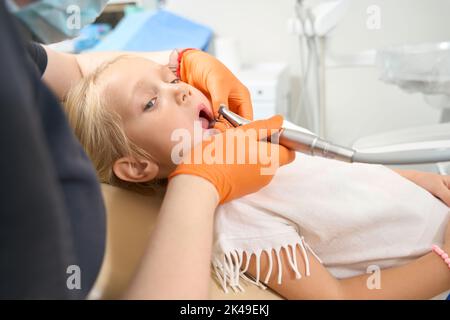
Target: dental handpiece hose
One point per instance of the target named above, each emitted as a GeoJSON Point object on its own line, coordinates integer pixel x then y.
{"type": "Point", "coordinates": [312, 145]}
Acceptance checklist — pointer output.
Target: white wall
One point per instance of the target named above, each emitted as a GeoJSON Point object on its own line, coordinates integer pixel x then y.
{"type": "Point", "coordinates": [357, 103]}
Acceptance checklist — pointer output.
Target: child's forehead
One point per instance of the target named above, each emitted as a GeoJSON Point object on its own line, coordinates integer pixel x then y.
{"type": "Point", "coordinates": [132, 66]}
{"type": "Point", "coordinates": [130, 75]}
{"type": "Point", "coordinates": [135, 63]}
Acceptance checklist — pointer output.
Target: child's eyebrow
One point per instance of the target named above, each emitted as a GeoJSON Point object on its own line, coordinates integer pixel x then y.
{"type": "Point", "coordinates": [131, 98]}
{"type": "Point", "coordinates": [143, 82]}
{"type": "Point", "coordinates": [163, 71]}
{"type": "Point", "coordinates": [166, 72]}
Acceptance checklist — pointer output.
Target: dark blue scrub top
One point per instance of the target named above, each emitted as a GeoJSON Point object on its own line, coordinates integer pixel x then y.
{"type": "Point", "coordinates": [52, 214]}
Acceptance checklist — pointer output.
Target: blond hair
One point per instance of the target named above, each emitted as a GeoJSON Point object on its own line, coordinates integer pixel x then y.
{"type": "Point", "coordinates": [100, 130]}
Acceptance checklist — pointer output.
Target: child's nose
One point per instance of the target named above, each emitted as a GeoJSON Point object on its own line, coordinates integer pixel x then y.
{"type": "Point", "coordinates": [182, 94]}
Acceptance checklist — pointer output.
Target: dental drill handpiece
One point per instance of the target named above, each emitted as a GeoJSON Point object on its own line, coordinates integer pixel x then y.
{"type": "Point", "coordinates": [315, 146]}
{"type": "Point", "coordinates": [298, 140]}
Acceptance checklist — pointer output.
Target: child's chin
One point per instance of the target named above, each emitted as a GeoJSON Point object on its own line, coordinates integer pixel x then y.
{"type": "Point", "coordinates": [210, 132]}
{"type": "Point", "coordinates": [206, 135]}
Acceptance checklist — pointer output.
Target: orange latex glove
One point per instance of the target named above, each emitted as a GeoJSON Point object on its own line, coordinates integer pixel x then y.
{"type": "Point", "coordinates": [210, 76]}
{"type": "Point", "coordinates": [222, 124]}
{"type": "Point", "coordinates": [231, 178]}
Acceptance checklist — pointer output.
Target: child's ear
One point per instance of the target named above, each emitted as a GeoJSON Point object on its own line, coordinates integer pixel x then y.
{"type": "Point", "coordinates": [135, 170]}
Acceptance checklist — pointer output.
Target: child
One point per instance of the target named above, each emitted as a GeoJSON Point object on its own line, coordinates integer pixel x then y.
{"type": "Point", "coordinates": [354, 216]}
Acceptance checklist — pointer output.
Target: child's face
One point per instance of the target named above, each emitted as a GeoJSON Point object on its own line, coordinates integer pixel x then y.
{"type": "Point", "coordinates": [152, 103]}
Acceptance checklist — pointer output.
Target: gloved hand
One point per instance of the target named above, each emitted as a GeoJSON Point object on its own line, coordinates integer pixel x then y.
{"type": "Point", "coordinates": [231, 178]}
{"type": "Point", "coordinates": [210, 76]}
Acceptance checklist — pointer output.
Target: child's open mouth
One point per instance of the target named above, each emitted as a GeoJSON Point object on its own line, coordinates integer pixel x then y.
{"type": "Point", "coordinates": [205, 116]}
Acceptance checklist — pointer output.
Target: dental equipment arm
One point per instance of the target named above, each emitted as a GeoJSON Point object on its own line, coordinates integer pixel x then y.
{"type": "Point", "coordinates": [315, 146]}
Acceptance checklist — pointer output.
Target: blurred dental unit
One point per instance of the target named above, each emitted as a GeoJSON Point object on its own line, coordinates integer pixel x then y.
{"type": "Point", "coordinates": [301, 83]}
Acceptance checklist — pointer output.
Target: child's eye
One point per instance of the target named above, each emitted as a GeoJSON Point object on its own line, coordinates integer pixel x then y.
{"type": "Point", "coordinates": [175, 81]}
{"type": "Point", "coordinates": [150, 104]}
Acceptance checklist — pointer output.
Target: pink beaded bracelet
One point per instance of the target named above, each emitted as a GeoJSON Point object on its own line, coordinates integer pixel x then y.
{"type": "Point", "coordinates": [442, 254]}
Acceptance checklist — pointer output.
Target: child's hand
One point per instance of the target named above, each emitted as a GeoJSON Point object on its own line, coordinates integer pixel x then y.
{"type": "Point", "coordinates": [446, 247]}
{"type": "Point", "coordinates": [438, 185]}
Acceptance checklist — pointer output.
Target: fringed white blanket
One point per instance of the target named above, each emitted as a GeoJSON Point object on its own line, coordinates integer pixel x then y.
{"type": "Point", "coordinates": [352, 216]}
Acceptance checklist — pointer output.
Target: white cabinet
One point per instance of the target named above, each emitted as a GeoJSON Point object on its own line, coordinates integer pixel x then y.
{"type": "Point", "coordinates": [269, 87]}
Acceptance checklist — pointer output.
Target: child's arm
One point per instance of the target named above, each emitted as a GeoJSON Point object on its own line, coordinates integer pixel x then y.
{"type": "Point", "coordinates": [423, 278]}
{"type": "Point", "coordinates": [438, 185]}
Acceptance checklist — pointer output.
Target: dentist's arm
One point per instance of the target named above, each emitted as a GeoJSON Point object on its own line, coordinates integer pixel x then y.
{"type": "Point", "coordinates": [65, 69]}
{"type": "Point", "coordinates": [423, 278]}
{"type": "Point", "coordinates": [176, 264]}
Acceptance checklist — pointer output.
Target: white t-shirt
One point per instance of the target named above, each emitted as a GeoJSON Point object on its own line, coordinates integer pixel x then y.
{"type": "Point", "coordinates": [351, 216]}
